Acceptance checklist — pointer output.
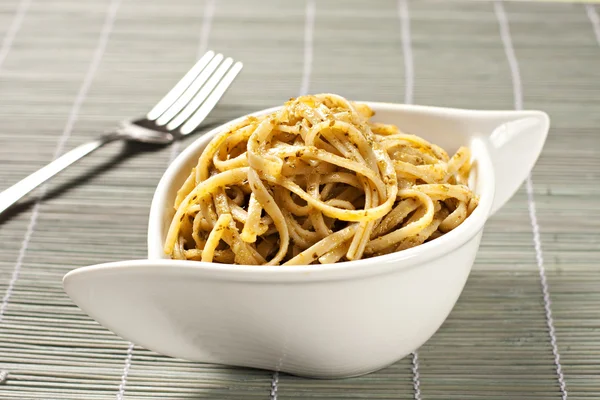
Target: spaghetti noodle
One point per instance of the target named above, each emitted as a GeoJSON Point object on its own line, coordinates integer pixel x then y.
{"type": "Point", "coordinates": [316, 182]}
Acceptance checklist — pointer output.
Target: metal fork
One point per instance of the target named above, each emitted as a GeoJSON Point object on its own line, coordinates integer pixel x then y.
{"type": "Point", "coordinates": [177, 114]}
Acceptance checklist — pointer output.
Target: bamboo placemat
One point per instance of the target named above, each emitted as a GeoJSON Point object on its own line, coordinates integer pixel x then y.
{"type": "Point", "coordinates": [527, 325]}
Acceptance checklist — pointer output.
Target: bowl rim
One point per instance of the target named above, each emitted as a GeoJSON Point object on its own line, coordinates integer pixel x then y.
{"type": "Point", "coordinates": [420, 254]}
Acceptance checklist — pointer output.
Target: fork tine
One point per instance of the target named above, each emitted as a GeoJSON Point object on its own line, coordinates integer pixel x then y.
{"type": "Point", "coordinates": [201, 96]}
{"type": "Point", "coordinates": [185, 98]}
{"type": "Point", "coordinates": [180, 87]}
{"type": "Point", "coordinates": [212, 100]}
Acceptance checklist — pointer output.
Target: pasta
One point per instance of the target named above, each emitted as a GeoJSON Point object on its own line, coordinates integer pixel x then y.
{"type": "Point", "coordinates": [317, 182]}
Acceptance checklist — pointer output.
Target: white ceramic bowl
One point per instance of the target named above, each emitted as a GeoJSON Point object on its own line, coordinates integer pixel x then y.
{"type": "Point", "coordinates": [324, 321]}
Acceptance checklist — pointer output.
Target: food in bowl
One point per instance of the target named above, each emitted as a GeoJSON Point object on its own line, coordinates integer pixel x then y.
{"type": "Point", "coordinates": [317, 181]}
{"type": "Point", "coordinates": [327, 321]}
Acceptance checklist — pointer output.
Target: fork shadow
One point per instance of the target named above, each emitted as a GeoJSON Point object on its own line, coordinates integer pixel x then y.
{"type": "Point", "coordinates": [129, 149]}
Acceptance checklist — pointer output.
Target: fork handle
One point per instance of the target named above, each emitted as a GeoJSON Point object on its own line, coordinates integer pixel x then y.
{"type": "Point", "coordinates": [14, 193]}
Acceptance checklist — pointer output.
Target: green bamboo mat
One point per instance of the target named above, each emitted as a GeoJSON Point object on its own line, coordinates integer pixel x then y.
{"type": "Point", "coordinates": [527, 325]}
